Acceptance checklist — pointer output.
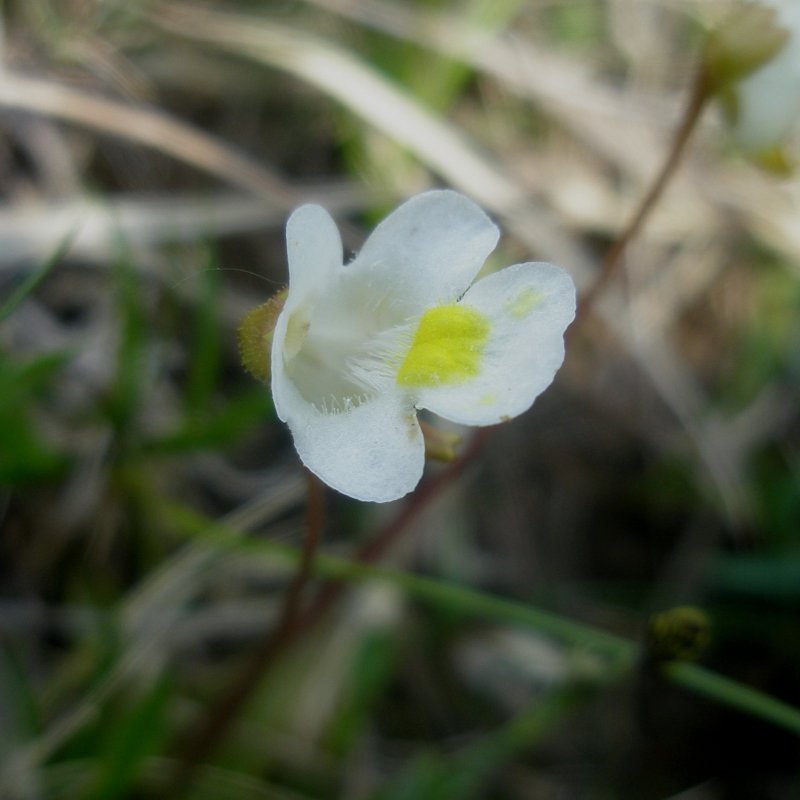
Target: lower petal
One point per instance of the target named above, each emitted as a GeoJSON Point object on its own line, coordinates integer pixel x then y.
{"type": "Point", "coordinates": [373, 451]}
{"type": "Point", "coordinates": [528, 308]}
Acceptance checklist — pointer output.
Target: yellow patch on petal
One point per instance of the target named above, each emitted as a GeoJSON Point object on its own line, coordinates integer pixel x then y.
{"type": "Point", "coordinates": [524, 303]}
{"type": "Point", "coordinates": [446, 349]}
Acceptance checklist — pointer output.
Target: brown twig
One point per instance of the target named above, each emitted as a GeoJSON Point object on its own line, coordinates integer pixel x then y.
{"type": "Point", "coordinates": [382, 542]}
{"type": "Point", "coordinates": [200, 745]}
{"type": "Point", "coordinates": [699, 97]}
{"type": "Point", "coordinates": [204, 741]}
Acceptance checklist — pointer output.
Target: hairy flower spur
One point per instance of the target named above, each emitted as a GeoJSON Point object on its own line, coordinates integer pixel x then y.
{"type": "Point", "coordinates": [357, 349]}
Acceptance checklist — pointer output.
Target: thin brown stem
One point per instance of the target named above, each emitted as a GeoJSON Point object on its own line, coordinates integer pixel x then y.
{"type": "Point", "coordinates": [316, 524]}
{"type": "Point", "coordinates": [699, 97]}
{"type": "Point", "coordinates": [204, 741]}
{"type": "Point", "coordinates": [200, 745]}
{"type": "Point", "coordinates": [378, 545]}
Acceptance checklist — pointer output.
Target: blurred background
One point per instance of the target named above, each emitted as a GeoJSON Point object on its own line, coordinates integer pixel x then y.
{"type": "Point", "coordinates": [150, 153]}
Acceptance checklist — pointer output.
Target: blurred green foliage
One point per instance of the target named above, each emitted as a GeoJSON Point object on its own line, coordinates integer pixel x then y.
{"type": "Point", "coordinates": [152, 507]}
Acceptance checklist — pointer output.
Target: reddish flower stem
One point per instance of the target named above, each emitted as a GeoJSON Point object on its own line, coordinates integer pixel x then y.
{"type": "Point", "coordinates": [202, 742]}
{"type": "Point", "coordinates": [698, 99]}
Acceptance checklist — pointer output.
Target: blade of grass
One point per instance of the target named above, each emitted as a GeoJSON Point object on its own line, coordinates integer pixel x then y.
{"type": "Point", "coordinates": [623, 653]}
{"type": "Point", "coordinates": [149, 615]}
{"type": "Point", "coordinates": [148, 127]}
{"type": "Point", "coordinates": [24, 453]}
{"type": "Point", "coordinates": [206, 345]}
{"type": "Point", "coordinates": [31, 231]}
{"type": "Point", "coordinates": [215, 538]}
{"type": "Point", "coordinates": [28, 286]}
{"type": "Point", "coordinates": [463, 775]}
{"type": "Point", "coordinates": [355, 84]}
{"type": "Point", "coordinates": [130, 740]}
{"type": "Point", "coordinates": [594, 111]}
{"type": "Point", "coordinates": [216, 428]}
{"type": "Point", "coordinates": [734, 694]}
{"type": "Point", "coordinates": [17, 696]}
{"type": "Point", "coordinates": [123, 399]}
{"type": "Point", "coordinates": [203, 740]}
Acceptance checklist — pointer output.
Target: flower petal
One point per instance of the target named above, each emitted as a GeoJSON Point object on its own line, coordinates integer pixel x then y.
{"type": "Point", "coordinates": [373, 451]}
{"type": "Point", "coordinates": [314, 250]}
{"type": "Point", "coordinates": [427, 251]}
{"type": "Point", "coordinates": [528, 307]}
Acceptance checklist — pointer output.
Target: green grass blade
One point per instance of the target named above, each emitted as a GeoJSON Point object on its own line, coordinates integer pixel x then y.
{"type": "Point", "coordinates": [206, 340]}
{"type": "Point", "coordinates": [734, 694]}
{"type": "Point", "coordinates": [28, 286]}
{"type": "Point", "coordinates": [131, 739]}
{"type": "Point", "coordinates": [622, 652]}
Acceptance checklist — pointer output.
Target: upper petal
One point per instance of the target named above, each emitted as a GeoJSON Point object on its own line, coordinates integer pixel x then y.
{"type": "Point", "coordinates": [528, 308]}
{"type": "Point", "coordinates": [314, 252]}
{"type": "Point", "coordinates": [427, 251]}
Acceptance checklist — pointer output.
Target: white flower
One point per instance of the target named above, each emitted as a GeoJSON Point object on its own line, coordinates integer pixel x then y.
{"type": "Point", "coordinates": [357, 349]}
{"type": "Point", "coordinates": [767, 107]}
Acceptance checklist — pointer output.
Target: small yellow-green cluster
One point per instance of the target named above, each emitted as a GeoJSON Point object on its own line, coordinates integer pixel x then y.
{"type": "Point", "coordinates": [255, 336]}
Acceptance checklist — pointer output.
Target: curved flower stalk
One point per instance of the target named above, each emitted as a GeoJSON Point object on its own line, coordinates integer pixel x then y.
{"type": "Point", "coordinates": [359, 348]}
{"type": "Point", "coordinates": [765, 111]}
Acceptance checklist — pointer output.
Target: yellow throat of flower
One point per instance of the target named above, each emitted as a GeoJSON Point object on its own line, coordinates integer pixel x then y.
{"type": "Point", "coordinates": [446, 349]}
